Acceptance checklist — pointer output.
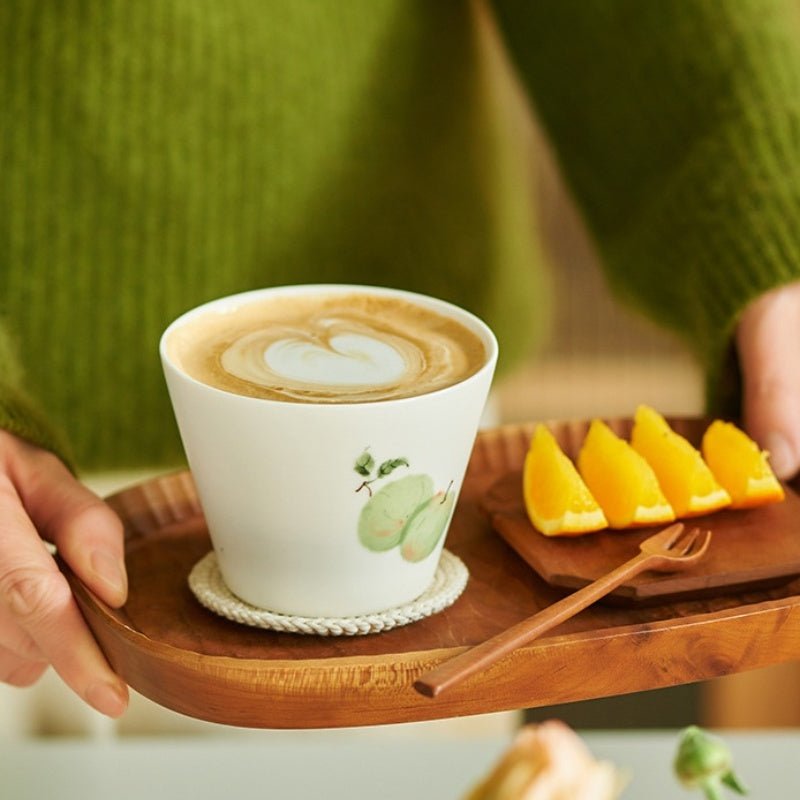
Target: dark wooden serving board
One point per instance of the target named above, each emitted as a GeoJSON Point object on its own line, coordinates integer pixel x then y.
{"type": "Point", "coordinates": [751, 548]}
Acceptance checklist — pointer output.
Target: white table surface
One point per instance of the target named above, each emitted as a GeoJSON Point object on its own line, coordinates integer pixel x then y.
{"type": "Point", "coordinates": [313, 765]}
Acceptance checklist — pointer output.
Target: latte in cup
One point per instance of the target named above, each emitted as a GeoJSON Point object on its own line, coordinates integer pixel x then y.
{"type": "Point", "coordinates": [335, 500]}
{"type": "Point", "coordinates": [331, 348]}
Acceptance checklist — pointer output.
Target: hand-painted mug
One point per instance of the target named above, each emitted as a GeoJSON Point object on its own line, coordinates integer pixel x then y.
{"type": "Point", "coordinates": [328, 429]}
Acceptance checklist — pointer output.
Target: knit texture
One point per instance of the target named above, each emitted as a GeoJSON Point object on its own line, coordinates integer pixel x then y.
{"type": "Point", "coordinates": [678, 127]}
{"type": "Point", "coordinates": [157, 154]}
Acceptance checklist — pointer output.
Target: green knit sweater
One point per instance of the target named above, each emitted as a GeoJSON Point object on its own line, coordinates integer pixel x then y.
{"type": "Point", "coordinates": [159, 153]}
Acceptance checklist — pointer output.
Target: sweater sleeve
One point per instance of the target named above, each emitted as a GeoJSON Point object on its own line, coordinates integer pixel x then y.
{"type": "Point", "coordinates": [19, 413]}
{"type": "Point", "coordinates": [677, 127]}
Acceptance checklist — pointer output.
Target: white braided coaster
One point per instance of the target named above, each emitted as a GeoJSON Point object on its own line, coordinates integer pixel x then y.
{"type": "Point", "coordinates": [205, 581]}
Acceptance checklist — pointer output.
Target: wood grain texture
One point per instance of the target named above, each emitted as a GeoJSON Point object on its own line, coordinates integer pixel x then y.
{"type": "Point", "coordinates": [184, 657]}
{"type": "Point", "coordinates": [671, 549]}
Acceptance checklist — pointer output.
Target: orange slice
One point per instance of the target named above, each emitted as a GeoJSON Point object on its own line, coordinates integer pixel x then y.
{"type": "Point", "coordinates": [687, 482]}
{"type": "Point", "coordinates": [556, 499]}
{"type": "Point", "coordinates": [622, 482]}
{"type": "Point", "coordinates": [740, 466]}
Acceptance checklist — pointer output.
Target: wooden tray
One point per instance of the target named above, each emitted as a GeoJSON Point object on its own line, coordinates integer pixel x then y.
{"type": "Point", "coordinates": [169, 648]}
{"type": "Point", "coordinates": [752, 548]}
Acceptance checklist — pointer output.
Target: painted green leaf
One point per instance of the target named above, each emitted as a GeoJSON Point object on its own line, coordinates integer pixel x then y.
{"type": "Point", "coordinates": [364, 464]}
{"type": "Point", "coordinates": [390, 466]}
{"type": "Point", "coordinates": [385, 514]}
{"type": "Point", "coordinates": [426, 526]}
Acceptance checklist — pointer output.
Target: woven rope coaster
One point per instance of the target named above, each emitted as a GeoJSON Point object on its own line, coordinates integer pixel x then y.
{"type": "Point", "coordinates": [205, 581]}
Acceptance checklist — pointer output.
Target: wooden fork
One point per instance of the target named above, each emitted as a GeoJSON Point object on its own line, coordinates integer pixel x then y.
{"type": "Point", "coordinates": [669, 550]}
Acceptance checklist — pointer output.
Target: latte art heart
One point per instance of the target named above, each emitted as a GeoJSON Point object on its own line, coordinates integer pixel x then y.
{"type": "Point", "coordinates": [350, 359]}
{"type": "Point", "coordinates": [336, 354]}
{"type": "Point", "coordinates": [329, 349]}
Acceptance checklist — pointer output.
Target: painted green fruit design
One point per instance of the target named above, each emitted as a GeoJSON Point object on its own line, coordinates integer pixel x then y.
{"type": "Point", "coordinates": [405, 513]}
{"type": "Point", "coordinates": [426, 526]}
{"type": "Point", "coordinates": [383, 518]}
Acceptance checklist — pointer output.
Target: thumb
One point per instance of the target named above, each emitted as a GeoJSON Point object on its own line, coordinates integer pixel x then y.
{"type": "Point", "coordinates": [87, 533]}
{"type": "Point", "coordinates": [768, 342]}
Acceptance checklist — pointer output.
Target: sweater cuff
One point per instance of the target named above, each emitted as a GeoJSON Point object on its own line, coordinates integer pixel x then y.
{"type": "Point", "coordinates": [20, 416]}
{"type": "Point", "coordinates": [713, 239]}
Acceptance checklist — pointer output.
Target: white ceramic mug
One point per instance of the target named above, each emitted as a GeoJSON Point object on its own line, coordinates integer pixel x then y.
{"type": "Point", "coordinates": [296, 495]}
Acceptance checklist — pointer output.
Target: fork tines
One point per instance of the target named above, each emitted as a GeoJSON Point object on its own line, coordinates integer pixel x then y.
{"type": "Point", "coordinates": [694, 542]}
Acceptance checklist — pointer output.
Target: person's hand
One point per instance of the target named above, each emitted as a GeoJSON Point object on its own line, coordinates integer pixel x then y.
{"type": "Point", "coordinates": [768, 342]}
{"type": "Point", "coordinates": [40, 623]}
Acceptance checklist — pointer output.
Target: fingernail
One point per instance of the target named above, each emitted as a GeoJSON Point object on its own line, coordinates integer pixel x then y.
{"type": "Point", "coordinates": [109, 569]}
{"type": "Point", "coordinates": [782, 457]}
{"type": "Point", "coordinates": [107, 698]}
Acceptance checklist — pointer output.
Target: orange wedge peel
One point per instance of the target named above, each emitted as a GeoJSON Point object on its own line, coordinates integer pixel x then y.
{"type": "Point", "coordinates": [556, 498]}
{"type": "Point", "coordinates": [740, 466]}
{"type": "Point", "coordinates": [685, 479]}
{"type": "Point", "coordinates": [621, 480]}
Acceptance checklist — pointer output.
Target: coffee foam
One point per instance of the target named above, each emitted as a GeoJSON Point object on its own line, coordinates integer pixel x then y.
{"type": "Point", "coordinates": [327, 349]}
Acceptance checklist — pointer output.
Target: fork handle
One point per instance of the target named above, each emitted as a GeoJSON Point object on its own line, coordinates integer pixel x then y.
{"type": "Point", "coordinates": [482, 656]}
